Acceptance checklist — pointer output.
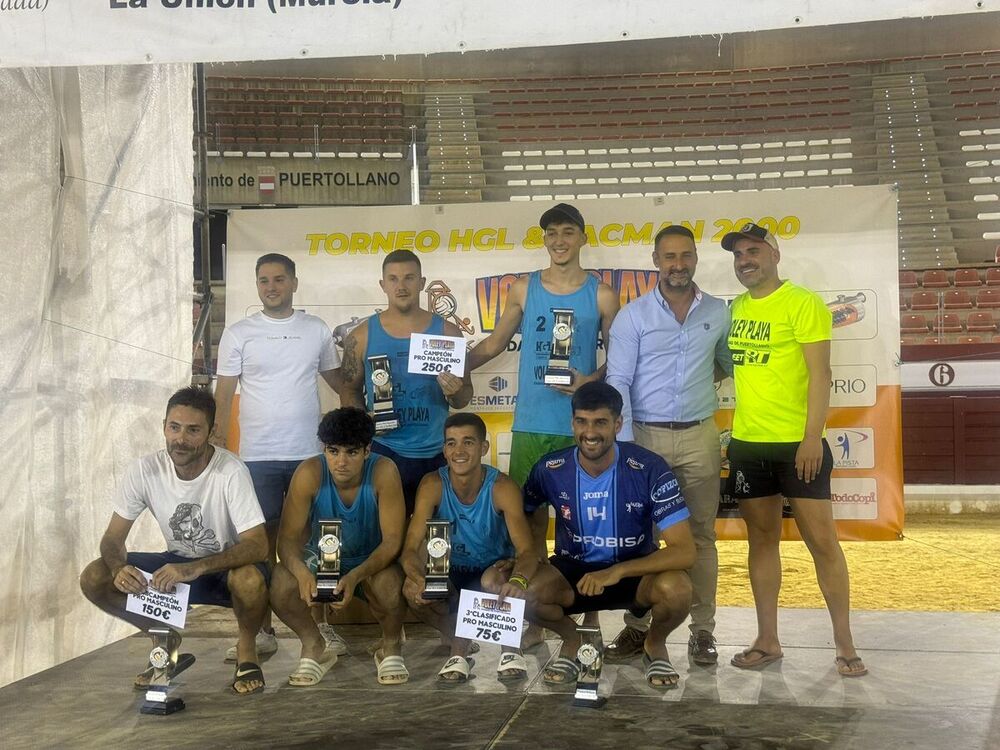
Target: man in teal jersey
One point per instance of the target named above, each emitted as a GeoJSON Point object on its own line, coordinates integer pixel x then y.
{"type": "Point", "coordinates": [542, 416]}
{"type": "Point", "coordinates": [350, 483]}
{"type": "Point", "coordinates": [421, 401]}
{"type": "Point", "coordinates": [780, 341]}
{"type": "Point", "coordinates": [488, 526]}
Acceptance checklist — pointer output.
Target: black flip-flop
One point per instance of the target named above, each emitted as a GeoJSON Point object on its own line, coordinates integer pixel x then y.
{"type": "Point", "coordinates": [183, 662]}
{"type": "Point", "coordinates": [247, 671]}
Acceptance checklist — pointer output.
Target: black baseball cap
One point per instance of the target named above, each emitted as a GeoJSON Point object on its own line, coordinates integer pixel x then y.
{"type": "Point", "coordinates": [563, 212]}
{"type": "Point", "coordinates": [749, 231]}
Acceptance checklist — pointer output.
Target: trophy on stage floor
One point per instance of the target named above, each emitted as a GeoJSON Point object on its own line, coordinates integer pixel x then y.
{"type": "Point", "coordinates": [591, 658]}
{"type": "Point", "coordinates": [328, 568]}
{"type": "Point", "coordinates": [385, 415]}
{"type": "Point", "coordinates": [165, 665]}
{"type": "Point", "coordinates": [438, 560]}
{"type": "Point", "coordinates": [558, 372]}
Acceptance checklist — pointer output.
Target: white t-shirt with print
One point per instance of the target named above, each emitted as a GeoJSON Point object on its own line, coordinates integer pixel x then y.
{"type": "Point", "coordinates": [277, 361]}
{"type": "Point", "coordinates": [200, 517]}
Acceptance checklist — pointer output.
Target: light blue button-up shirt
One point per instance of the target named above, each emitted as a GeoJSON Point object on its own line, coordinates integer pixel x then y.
{"type": "Point", "coordinates": [665, 370]}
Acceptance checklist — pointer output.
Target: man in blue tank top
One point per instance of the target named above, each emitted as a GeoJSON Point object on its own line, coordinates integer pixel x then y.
{"type": "Point", "coordinates": [421, 401]}
{"type": "Point", "coordinates": [542, 414]}
{"type": "Point", "coordinates": [608, 498]}
{"type": "Point", "coordinates": [363, 490]}
{"type": "Point", "coordinates": [488, 526]}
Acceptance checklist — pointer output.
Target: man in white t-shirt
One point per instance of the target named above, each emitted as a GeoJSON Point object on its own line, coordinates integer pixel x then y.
{"type": "Point", "coordinates": [203, 499]}
{"type": "Point", "coordinates": [275, 355]}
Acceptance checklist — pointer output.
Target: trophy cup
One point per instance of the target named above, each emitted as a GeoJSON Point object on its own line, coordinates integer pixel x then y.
{"type": "Point", "coordinates": [438, 560]}
{"type": "Point", "coordinates": [328, 569]}
{"type": "Point", "coordinates": [558, 372]}
{"type": "Point", "coordinates": [385, 415]}
{"type": "Point", "coordinates": [591, 658]}
{"type": "Point", "coordinates": [164, 662]}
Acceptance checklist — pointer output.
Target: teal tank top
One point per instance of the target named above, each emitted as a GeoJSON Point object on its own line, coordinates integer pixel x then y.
{"type": "Point", "coordinates": [478, 533]}
{"type": "Point", "coordinates": [541, 408]}
{"type": "Point", "coordinates": [360, 529]}
{"type": "Point", "coordinates": [420, 404]}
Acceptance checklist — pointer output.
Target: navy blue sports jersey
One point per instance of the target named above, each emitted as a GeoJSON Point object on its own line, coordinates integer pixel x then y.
{"type": "Point", "coordinates": [608, 518]}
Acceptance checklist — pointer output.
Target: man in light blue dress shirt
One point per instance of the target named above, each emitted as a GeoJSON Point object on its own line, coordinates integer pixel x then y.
{"type": "Point", "coordinates": [667, 349]}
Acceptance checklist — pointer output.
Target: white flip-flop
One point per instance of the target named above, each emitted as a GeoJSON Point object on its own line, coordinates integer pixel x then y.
{"type": "Point", "coordinates": [309, 671]}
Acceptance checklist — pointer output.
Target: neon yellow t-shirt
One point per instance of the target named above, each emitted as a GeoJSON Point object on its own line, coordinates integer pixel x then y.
{"type": "Point", "coordinates": [772, 380]}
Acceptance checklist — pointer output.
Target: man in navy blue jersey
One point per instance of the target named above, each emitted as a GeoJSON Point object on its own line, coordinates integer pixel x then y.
{"type": "Point", "coordinates": [608, 498]}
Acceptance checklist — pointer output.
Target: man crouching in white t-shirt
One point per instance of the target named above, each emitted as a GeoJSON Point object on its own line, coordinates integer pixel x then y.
{"type": "Point", "coordinates": [203, 499]}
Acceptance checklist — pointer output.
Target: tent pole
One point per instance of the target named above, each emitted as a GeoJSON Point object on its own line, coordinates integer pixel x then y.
{"type": "Point", "coordinates": [202, 207]}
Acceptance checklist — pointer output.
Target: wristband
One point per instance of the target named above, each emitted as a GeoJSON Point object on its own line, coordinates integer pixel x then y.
{"type": "Point", "coordinates": [519, 580]}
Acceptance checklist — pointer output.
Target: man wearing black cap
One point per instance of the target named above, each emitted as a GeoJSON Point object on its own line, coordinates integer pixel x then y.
{"type": "Point", "coordinates": [780, 342]}
{"type": "Point", "coordinates": [542, 417]}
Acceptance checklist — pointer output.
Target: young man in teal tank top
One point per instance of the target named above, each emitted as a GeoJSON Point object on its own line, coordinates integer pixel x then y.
{"type": "Point", "coordinates": [542, 416]}
{"type": "Point", "coordinates": [488, 528]}
{"type": "Point", "coordinates": [422, 402]}
{"type": "Point", "coordinates": [363, 490]}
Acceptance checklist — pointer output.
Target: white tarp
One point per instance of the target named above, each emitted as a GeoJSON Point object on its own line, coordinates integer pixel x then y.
{"type": "Point", "coordinates": [91, 32]}
{"type": "Point", "coordinates": [96, 305]}
{"type": "Point", "coordinates": [841, 242]}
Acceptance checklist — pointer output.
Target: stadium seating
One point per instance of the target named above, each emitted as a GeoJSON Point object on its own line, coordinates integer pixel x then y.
{"type": "Point", "coordinates": [988, 298]}
{"type": "Point", "coordinates": [913, 323]}
{"type": "Point", "coordinates": [925, 300]}
{"type": "Point", "coordinates": [935, 279]}
{"type": "Point", "coordinates": [981, 322]}
{"type": "Point", "coordinates": [957, 299]}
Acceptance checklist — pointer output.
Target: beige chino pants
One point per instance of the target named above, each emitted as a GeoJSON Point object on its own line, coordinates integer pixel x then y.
{"type": "Point", "coordinates": [694, 456]}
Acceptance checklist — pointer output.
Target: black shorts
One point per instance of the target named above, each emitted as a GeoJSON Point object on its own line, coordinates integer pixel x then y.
{"type": "Point", "coordinates": [619, 596]}
{"type": "Point", "coordinates": [461, 577]}
{"type": "Point", "coordinates": [411, 471]}
{"type": "Point", "coordinates": [211, 588]}
{"type": "Point", "coordinates": [765, 469]}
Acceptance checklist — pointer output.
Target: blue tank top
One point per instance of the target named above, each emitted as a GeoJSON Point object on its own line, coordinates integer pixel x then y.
{"type": "Point", "coordinates": [360, 529]}
{"type": "Point", "coordinates": [420, 404]}
{"type": "Point", "coordinates": [478, 533]}
{"type": "Point", "coordinates": [541, 408]}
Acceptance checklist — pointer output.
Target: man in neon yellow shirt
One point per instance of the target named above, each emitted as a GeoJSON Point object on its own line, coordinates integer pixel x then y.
{"type": "Point", "coordinates": [780, 342]}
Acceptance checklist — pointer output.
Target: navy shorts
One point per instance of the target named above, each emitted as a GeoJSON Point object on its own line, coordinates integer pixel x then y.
{"type": "Point", "coordinates": [411, 471]}
{"type": "Point", "coordinates": [619, 596]}
{"type": "Point", "coordinates": [210, 588]}
{"type": "Point", "coordinates": [766, 469]}
{"type": "Point", "coordinates": [271, 480]}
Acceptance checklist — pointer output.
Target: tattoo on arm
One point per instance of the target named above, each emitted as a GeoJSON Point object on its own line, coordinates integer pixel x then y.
{"type": "Point", "coordinates": [349, 363]}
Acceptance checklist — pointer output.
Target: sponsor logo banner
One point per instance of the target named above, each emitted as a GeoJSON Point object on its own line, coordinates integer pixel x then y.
{"type": "Point", "coordinates": [854, 499]}
{"type": "Point", "coordinates": [853, 447]}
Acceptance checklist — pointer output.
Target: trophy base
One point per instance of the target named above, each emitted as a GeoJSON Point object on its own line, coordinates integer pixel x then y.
{"type": "Point", "coordinates": [436, 590]}
{"type": "Point", "coordinates": [588, 698]}
{"type": "Point", "coordinates": [557, 376]}
{"type": "Point", "coordinates": [386, 422]}
{"type": "Point", "coordinates": [162, 708]}
{"type": "Point", "coordinates": [325, 595]}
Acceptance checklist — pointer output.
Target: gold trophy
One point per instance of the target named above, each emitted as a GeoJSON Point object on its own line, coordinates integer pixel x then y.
{"type": "Point", "coordinates": [438, 560]}
{"type": "Point", "coordinates": [160, 698]}
{"type": "Point", "coordinates": [328, 569]}
{"type": "Point", "coordinates": [385, 415]}
{"type": "Point", "coordinates": [558, 372]}
{"type": "Point", "coordinates": [591, 658]}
